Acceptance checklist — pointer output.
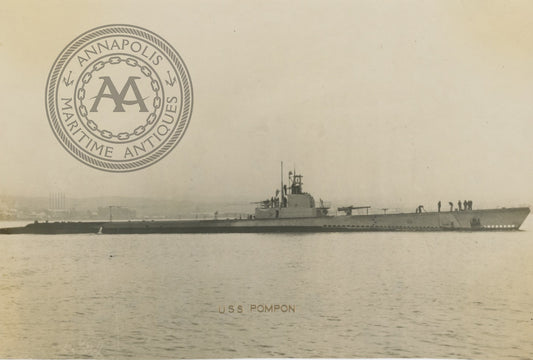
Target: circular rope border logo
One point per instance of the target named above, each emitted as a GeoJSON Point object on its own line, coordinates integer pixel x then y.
{"type": "Point", "coordinates": [67, 114]}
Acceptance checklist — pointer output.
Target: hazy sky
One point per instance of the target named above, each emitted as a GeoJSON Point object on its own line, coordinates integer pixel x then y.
{"type": "Point", "coordinates": [383, 102]}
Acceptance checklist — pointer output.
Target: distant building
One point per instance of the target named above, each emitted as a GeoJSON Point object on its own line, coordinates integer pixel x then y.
{"type": "Point", "coordinates": [116, 213]}
{"type": "Point", "coordinates": [7, 212]}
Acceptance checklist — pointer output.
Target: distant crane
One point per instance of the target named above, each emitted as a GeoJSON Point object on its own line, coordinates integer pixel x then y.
{"type": "Point", "coordinates": [111, 211]}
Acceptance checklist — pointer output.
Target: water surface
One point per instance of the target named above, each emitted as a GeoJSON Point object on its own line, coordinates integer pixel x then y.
{"type": "Point", "coordinates": [437, 295]}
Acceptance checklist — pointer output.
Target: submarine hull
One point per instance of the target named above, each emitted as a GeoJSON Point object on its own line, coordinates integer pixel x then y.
{"type": "Point", "coordinates": [470, 220]}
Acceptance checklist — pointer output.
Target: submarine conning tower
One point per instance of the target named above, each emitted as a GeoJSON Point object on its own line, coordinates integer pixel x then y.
{"type": "Point", "coordinates": [290, 202]}
{"type": "Point", "coordinates": [296, 198]}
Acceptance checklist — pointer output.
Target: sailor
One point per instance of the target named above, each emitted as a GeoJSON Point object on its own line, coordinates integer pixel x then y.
{"type": "Point", "coordinates": [460, 205]}
{"type": "Point", "coordinates": [451, 205]}
{"type": "Point", "coordinates": [470, 204]}
{"type": "Point", "coordinates": [420, 208]}
{"type": "Point", "coordinates": [465, 205]}
{"type": "Point", "coordinates": [438, 205]}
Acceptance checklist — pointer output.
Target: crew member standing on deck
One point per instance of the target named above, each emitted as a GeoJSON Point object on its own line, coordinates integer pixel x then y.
{"type": "Point", "coordinates": [438, 205]}
{"type": "Point", "coordinates": [460, 205]}
{"type": "Point", "coordinates": [465, 205]}
{"type": "Point", "coordinates": [451, 206]}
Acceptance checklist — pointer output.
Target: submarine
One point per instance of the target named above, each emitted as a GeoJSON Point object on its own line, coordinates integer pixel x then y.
{"type": "Point", "coordinates": [293, 210]}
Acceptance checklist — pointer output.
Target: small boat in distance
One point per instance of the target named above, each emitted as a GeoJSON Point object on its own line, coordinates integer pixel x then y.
{"type": "Point", "coordinates": [293, 210]}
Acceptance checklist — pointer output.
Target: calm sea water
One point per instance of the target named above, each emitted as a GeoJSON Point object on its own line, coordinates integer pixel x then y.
{"type": "Point", "coordinates": [438, 295]}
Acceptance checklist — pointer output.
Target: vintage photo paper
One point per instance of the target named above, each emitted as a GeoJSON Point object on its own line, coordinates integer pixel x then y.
{"type": "Point", "coordinates": [266, 179]}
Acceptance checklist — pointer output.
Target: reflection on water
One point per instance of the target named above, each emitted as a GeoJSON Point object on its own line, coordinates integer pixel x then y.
{"type": "Point", "coordinates": [439, 295]}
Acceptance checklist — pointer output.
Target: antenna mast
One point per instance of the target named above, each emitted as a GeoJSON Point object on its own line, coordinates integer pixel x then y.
{"type": "Point", "coordinates": [281, 190]}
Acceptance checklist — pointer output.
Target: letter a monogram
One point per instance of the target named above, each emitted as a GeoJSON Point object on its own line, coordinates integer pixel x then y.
{"type": "Point", "coordinates": [117, 97]}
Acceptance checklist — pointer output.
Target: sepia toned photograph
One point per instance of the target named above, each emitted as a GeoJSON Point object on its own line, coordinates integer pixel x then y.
{"type": "Point", "coordinates": [266, 179]}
